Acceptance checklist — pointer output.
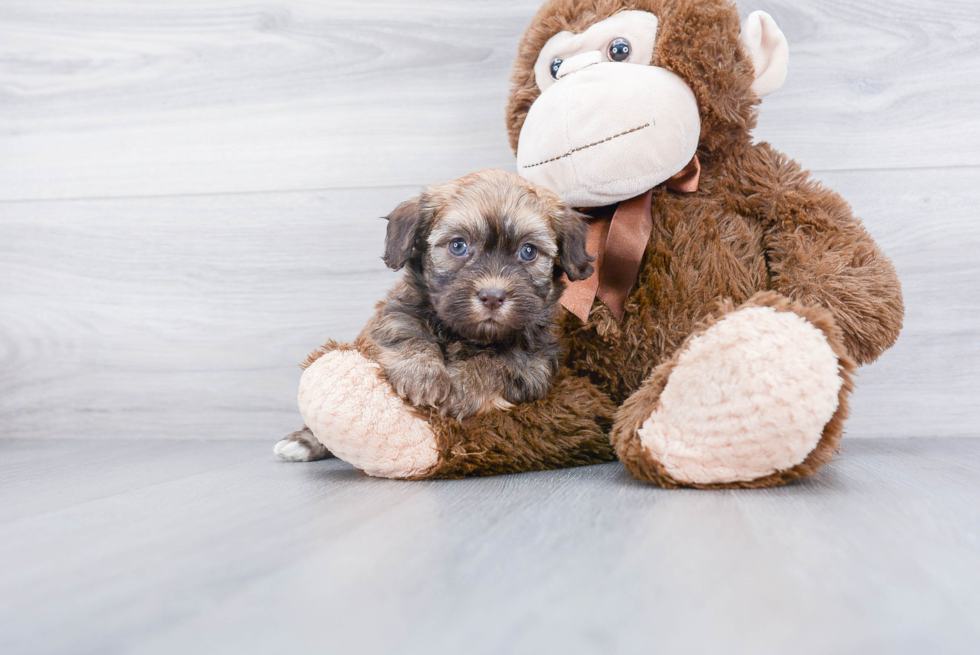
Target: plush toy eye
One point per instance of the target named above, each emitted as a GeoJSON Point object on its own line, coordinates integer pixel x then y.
{"type": "Point", "coordinates": [619, 50]}
{"type": "Point", "coordinates": [555, 65]}
{"type": "Point", "coordinates": [528, 252]}
{"type": "Point", "coordinates": [458, 248]}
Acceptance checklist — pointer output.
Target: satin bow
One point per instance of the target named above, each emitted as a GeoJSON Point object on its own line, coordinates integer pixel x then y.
{"type": "Point", "coordinates": [620, 241]}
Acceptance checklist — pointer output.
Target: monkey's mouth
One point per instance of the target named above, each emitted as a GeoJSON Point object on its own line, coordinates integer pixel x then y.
{"type": "Point", "coordinates": [591, 145]}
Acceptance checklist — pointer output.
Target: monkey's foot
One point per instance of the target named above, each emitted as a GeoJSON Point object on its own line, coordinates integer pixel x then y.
{"type": "Point", "coordinates": [355, 414]}
{"type": "Point", "coordinates": [755, 399]}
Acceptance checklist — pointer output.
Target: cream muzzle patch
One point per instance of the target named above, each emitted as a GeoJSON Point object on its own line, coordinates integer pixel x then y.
{"type": "Point", "coordinates": [608, 125]}
{"type": "Point", "coordinates": [609, 132]}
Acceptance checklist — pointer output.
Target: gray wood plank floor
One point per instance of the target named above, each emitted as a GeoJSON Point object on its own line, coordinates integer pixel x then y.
{"type": "Point", "coordinates": [217, 547]}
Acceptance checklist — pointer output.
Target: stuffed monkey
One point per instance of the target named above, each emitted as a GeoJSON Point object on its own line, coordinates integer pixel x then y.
{"type": "Point", "coordinates": [734, 295]}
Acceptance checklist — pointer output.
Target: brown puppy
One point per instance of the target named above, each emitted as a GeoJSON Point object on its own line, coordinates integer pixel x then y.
{"type": "Point", "coordinates": [471, 325]}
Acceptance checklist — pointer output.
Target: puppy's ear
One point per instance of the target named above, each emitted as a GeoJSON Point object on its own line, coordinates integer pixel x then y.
{"type": "Point", "coordinates": [572, 232]}
{"type": "Point", "coordinates": [404, 224]}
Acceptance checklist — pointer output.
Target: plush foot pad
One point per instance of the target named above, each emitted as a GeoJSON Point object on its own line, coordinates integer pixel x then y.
{"type": "Point", "coordinates": [355, 414]}
{"type": "Point", "coordinates": [747, 398]}
{"type": "Point", "coordinates": [301, 446]}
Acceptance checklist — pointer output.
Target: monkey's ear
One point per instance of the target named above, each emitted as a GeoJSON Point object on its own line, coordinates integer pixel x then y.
{"type": "Point", "coordinates": [403, 228]}
{"type": "Point", "coordinates": [573, 233]}
{"type": "Point", "coordinates": [766, 45]}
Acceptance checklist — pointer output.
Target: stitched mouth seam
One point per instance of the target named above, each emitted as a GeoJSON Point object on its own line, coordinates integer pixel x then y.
{"type": "Point", "coordinates": [581, 148]}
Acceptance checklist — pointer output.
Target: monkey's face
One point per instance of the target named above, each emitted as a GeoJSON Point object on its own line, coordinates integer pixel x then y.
{"type": "Point", "coordinates": [490, 249]}
{"type": "Point", "coordinates": [608, 110]}
{"type": "Point", "coordinates": [608, 125]}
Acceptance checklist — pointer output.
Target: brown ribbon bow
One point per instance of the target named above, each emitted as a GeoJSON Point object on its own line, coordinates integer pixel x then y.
{"type": "Point", "coordinates": [620, 241]}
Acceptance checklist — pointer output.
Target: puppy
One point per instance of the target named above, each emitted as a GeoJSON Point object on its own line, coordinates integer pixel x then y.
{"type": "Point", "coordinates": [471, 324]}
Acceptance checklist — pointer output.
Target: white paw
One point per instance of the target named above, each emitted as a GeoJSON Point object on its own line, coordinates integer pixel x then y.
{"type": "Point", "coordinates": [747, 398]}
{"type": "Point", "coordinates": [502, 404]}
{"type": "Point", "coordinates": [293, 451]}
{"type": "Point", "coordinates": [357, 415]}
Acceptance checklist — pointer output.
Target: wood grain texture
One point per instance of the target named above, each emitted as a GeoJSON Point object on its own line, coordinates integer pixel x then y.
{"type": "Point", "coordinates": [111, 98]}
{"type": "Point", "coordinates": [218, 547]}
{"type": "Point", "coordinates": [189, 191]}
{"type": "Point", "coordinates": [185, 317]}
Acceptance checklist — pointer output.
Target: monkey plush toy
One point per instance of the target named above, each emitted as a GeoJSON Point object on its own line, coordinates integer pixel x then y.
{"type": "Point", "coordinates": [733, 297]}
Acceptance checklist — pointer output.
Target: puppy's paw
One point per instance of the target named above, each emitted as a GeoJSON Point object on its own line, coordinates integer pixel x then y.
{"type": "Point", "coordinates": [301, 446]}
{"type": "Point", "coordinates": [476, 388]}
{"type": "Point", "coordinates": [464, 403]}
{"type": "Point", "coordinates": [420, 381]}
{"type": "Point", "coordinates": [464, 409]}
{"type": "Point", "coordinates": [499, 403]}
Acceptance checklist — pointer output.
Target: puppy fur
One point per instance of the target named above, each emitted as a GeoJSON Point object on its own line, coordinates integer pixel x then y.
{"type": "Point", "coordinates": [441, 345]}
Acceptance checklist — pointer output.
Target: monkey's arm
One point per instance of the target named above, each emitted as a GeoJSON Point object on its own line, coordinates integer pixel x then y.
{"type": "Point", "coordinates": [355, 413]}
{"type": "Point", "coordinates": [819, 253]}
{"type": "Point", "coordinates": [567, 427]}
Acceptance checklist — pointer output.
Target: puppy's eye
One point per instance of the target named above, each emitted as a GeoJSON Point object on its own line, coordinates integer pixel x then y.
{"type": "Point", "coordinates": [619, 50]}
{"type": "Point", "coordinates": [458, 248]}
{"type": "Point", "coordinates": [527, 253]}
{"type": "Point", "coordinates": [555, 65]}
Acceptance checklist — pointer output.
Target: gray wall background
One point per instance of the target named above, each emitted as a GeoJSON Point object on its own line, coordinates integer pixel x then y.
{"type": "Point", "coordinates": [190, 191]}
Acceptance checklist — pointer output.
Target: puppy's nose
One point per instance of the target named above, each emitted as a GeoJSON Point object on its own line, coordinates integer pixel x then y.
{"type": "Point", "coordinates": [492, 298]}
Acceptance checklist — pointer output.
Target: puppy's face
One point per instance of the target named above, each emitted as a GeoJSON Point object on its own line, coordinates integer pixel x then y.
{"type": "Point", "coordinates": [490, 249]}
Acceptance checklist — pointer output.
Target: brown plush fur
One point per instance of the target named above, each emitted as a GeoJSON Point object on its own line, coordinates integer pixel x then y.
{"type": "Point", "coordinates": [758, 223]}
{"type": "Point", "coordinates": [569, 427]}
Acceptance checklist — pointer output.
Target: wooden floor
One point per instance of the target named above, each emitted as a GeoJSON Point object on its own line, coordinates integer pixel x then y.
{"type": "Point", "coordinates": [218, 547]}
